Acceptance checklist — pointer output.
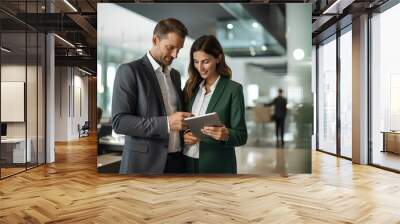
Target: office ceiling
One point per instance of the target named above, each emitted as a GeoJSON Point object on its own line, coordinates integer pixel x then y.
{"type": "Point", "coordinates": [197, 21]}
{"type": "Point", "coordinates": [327, 14]}
{"type": "Point", "coordinates": [79, 27]}
{"type": "Point", "coordinates": [213, 19]}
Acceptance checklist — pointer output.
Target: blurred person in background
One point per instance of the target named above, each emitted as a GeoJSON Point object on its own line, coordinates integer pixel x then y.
{"type": "Point", "coordinates": [279, 116]}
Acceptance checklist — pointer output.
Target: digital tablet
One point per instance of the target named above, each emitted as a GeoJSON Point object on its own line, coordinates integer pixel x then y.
{"type": "Point", "coordinates": [197, 123]}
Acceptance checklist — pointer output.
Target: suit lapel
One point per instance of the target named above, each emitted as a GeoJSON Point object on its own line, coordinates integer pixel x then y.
{"type": "Point", "coordinates": [219, 89]}
{"type": "Point", "coordinates": [175, 81]}
{"type": "Point", "coordinates": [154, 81]}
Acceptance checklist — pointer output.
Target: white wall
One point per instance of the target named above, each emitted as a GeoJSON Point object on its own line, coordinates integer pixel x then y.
{"type": "Point", "coordinates": [69, 85]}
{"type": "Point", "coordinates": [79, 117]}
{"type": "Point", "coordinates": [33, 126]}
{"type": "Point", "coordinates": [17, 73]}
{"type": "Point", "coordinates": [14, 73]}
{"type": "Point", "coordinates": [61, 103]}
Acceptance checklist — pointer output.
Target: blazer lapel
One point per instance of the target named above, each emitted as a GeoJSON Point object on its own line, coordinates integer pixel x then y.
{"type": "Point", "coordinates": [219, 89]}
{"type": "Point", "coordinates": [154, 80]}
{"type": "Point", "coordinates": [175, 81]}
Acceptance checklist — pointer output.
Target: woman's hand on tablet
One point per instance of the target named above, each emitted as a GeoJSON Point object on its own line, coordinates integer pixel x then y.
{"type": "Point", "coordinates": [217, 133]}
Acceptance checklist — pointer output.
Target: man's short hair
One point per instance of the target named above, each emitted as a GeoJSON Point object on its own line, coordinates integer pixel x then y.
{"type": "Point", "coordinates": [169, 25]}
{"type": "Point", "coordinates": [280, 90]}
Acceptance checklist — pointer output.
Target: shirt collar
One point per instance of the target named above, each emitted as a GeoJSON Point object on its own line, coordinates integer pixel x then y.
{"type": "Point", "coordinates": [212, 87]}
{"type": "Point", "coordinates": [155, 64]}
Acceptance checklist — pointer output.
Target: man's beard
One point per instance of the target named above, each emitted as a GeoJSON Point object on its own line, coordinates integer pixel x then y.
{"type": "Point", "coordinates": [167, 62]}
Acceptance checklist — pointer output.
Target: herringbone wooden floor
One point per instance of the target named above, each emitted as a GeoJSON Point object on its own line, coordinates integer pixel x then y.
{"type": "Point", "coordinates": [71, 191]}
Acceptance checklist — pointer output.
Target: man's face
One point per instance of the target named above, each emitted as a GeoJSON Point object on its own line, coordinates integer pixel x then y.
{"type": "Point", "coordinates": [166, 49]}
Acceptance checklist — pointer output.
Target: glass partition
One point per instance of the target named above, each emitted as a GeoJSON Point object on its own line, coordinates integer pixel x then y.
{"type": "Point", "coordinates": [327, 96]}
{"type": "Point", "coordinates": [385, 89]}
{"type": "Point", "coordinates": [346, 93]}
{"type": "Point", "coordinates": [22, 90]}
{"type": "Point", "coordinates": [14, 153]}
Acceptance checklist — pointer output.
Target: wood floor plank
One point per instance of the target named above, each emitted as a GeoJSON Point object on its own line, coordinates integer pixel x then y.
{"type": "Point", "coordinates": [71, 191]}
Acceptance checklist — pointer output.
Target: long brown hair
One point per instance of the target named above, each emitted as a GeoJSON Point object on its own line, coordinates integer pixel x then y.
{"type": "Point", "coordinates": [210, 45]}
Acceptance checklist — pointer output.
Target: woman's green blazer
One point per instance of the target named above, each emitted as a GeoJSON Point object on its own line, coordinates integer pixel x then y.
{"type": "Point", "coordinates": [228, 102]}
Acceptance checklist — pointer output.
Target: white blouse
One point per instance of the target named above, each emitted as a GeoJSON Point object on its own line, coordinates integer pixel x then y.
{"type": "Point", "coordinates": [199, 107]}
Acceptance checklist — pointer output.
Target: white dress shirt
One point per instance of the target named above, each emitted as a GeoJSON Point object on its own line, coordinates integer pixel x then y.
{"type": "Point", "coordinates": [199, 107]}
{"type": "Point", "coordinates": [170, 98]}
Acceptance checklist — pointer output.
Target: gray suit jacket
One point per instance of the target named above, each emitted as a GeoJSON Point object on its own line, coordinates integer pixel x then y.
{"type": "Point", "coordinates": [138, 112]}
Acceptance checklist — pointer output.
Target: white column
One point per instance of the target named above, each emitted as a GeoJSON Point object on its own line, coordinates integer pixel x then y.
{"type": "Point", "coordinates": [360, 90]}
{"type": "Point", "coordinates": [50, 94]}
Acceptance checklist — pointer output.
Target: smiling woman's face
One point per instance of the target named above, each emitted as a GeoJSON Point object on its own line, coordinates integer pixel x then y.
{"type": "Point", "coordinates": [205, 64]}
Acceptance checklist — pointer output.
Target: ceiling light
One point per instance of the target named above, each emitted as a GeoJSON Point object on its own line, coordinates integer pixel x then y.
{"type": "Point", "coordinates": [5, 50]}
{"type": "Point", "coordinates": [84, 71]}
{"type": "Point", "coordinates": [298, 54]}
{"type": "Point", "coordinates": [229, 26]}
{"type": "Point", "coordinates": [70, 5]}
{"type": "Point", "coordinates": [337, 7]}
{"type": "Point", "coordinates": [255, 25]}
{"type": "Point", "coordinates": [65, 41]}
{"type": "Point", "coordinates": [264, 48]}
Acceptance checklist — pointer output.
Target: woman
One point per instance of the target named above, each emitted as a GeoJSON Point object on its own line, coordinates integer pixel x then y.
{"type": "Point", "coordinates": [209, 89]}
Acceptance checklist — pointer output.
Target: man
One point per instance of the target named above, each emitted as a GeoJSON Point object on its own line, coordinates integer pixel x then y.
{"type": "Point", "coordinates": [279, 115]}
{"type": "Point", "coordinates": [146, 97]}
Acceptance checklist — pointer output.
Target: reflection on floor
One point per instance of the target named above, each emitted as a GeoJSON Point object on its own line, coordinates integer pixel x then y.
{"type": "Point", "coordinates": [267, 160]}
{"type": "Point", "coordinates": [387, 159]}
{"type": "Point", "coordinates": [13, 168]}
{"type": "Point", "coordinates": [10, 171]}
